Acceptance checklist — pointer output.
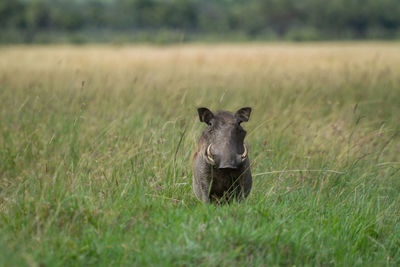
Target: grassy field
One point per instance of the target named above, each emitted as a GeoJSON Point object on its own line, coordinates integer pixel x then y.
{"type": "Point", "coordinates": [96, 145]}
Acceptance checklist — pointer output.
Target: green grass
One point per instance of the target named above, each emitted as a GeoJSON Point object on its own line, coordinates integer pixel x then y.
{"type": "Point", "coordinates": [91, 172]}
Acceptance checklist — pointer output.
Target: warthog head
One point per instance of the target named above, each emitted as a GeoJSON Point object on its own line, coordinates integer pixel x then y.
{"type": "Point", "coordinates": [223, 139]}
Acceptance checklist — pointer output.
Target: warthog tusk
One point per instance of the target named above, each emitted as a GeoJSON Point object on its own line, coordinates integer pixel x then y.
{"type": "Point", "coordinates": [244, 155]}
{"type": "Point", "coordinates": [209, 155]}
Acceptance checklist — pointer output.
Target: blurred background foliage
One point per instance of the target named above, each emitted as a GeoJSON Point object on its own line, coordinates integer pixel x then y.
{"type": "Point", "coordinates": [41, 21]}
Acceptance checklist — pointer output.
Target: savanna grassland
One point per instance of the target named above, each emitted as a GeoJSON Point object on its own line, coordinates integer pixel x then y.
{"type": "Point", "coordinates": [96, 145]}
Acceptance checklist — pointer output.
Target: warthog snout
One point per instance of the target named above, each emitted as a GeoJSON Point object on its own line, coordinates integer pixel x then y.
{"type": "Point", "coordinates": [226, 156]}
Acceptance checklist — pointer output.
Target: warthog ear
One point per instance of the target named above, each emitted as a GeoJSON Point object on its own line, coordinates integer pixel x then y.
{"type": "Point", "coordinates": [205, 115]}
{"type": "Point", "coordinates": [243, 114]}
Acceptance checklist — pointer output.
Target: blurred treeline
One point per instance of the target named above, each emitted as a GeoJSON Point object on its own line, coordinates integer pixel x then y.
{"type": "Point", "coordinates": [185, 20]}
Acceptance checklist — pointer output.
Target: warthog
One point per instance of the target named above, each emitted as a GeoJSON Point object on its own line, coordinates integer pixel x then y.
{"type": "Point", "coordinates": [221, 169]}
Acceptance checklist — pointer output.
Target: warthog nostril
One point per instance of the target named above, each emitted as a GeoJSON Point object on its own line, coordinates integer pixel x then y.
{"type": "Point", "coordinates": [227, 167]}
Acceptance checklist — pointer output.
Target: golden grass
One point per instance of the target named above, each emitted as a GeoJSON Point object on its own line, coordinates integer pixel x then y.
{"type": "Point", "coordinates": [279, 80]}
